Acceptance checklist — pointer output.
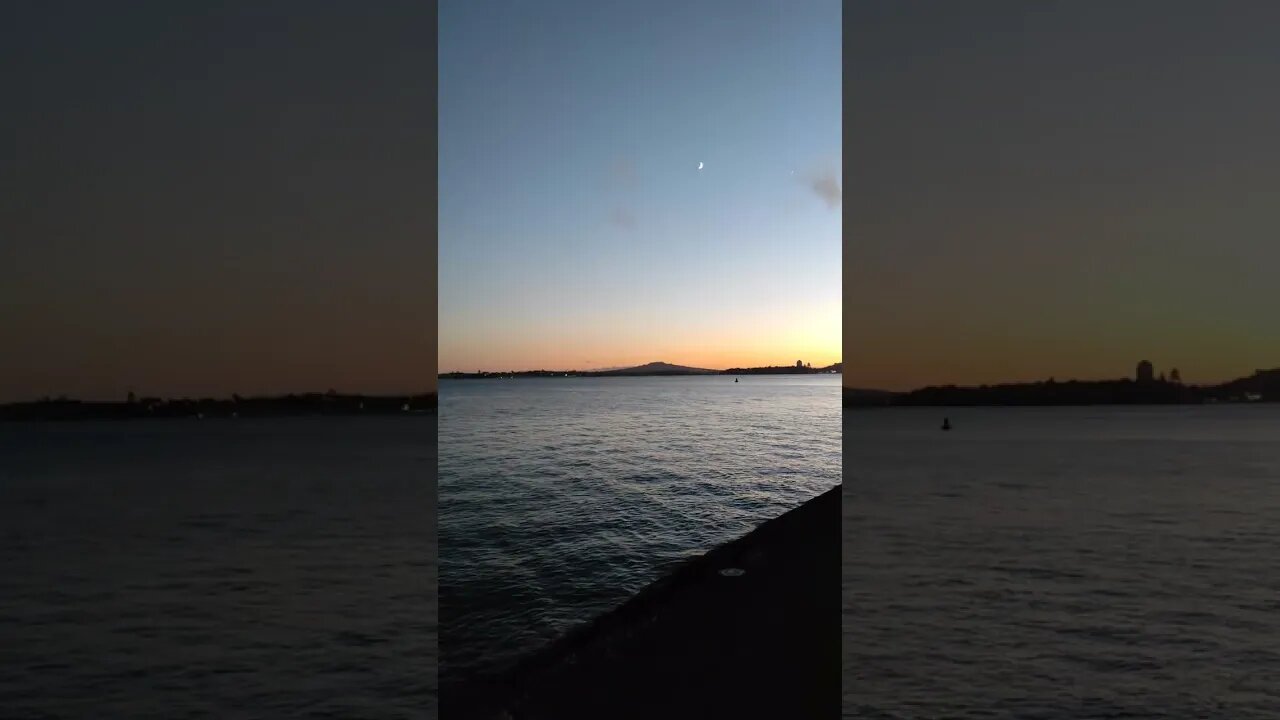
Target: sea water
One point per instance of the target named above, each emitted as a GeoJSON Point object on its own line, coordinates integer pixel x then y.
{"type": "Point", "coordinates": [218, 568]}
{"type": "Point", "coordinates": [1062, 563]}
{"type": "Point", "coordinates": [562, 497]}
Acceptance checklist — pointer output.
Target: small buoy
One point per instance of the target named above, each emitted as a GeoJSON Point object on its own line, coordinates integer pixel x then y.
{"type": "Point", "coordinates": [735, 379]}
{"type": "Point", "coordinates": [946, 423]}
{"type": "Point", "coordinates": [732, 572]}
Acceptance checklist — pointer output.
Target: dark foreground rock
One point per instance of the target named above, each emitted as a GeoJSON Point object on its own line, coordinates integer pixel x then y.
{"type": "Point", "coordinates": [698, 643]}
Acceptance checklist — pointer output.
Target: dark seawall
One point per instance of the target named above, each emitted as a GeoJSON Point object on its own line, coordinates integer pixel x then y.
{"type": "Point", "coordinates": [697, 643]}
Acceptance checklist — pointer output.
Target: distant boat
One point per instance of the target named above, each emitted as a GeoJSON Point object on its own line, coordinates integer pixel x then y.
{"type": "Point", "coordinates": [946, 423]}
{"type": "Point", "coordinates": [735, 379]}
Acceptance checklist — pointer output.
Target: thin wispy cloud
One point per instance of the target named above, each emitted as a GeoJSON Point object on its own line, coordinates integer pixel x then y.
{"type": "Point", "coordinates": [826, 185]}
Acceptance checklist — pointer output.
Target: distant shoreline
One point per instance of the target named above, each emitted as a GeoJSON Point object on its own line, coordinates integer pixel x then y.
{"type": "Point", "coordinates": [784, 370]}
{"type": "Point", "coordinates": [311, 404]}
{"type": "Point", "coordinates": [1261, 387]}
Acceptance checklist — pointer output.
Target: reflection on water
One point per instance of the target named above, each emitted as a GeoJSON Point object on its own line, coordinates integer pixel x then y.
{"type": "Point", "coordinates": [559, 498]}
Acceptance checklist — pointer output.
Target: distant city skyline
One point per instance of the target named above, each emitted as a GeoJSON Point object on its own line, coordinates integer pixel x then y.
{"type": "Point", "coordinates": [1060, 189]}
{"type": "Point", "coordinates": [627, 182]}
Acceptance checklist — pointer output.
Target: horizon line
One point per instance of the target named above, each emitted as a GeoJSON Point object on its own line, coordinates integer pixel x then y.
{"type": "Point", "coordinates": [196, 397]}
{"type": "Point", "coordinates": [629, 367]}
{"type": "Point", "coordinates": [1055, 379]}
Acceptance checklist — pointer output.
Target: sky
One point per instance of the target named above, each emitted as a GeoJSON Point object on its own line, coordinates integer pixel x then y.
{"type": "Point", "coordinates": [203, 199]}
{"type": "Point", "coordinates": [576, 230]}
{"type": "Point", "coordinates": [1060, 189]}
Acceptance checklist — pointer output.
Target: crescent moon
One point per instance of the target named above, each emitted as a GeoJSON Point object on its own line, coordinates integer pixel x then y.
{"type": "Point", "coordinates": [699, 166]}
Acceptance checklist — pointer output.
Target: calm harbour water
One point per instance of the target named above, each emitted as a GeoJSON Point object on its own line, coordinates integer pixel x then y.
{"type": "Point", "coordinates": [562, 497]}
{"type": "Point", "coordinates": [218, 568]}
{"type": "Point", "coordinates": [1062, 563]}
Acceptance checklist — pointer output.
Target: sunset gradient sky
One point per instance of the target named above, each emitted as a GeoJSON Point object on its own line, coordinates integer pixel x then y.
{"type": "Point", "coordinates": [1060, 189]}
{"type": "Point", "coordinates": [576, 231]}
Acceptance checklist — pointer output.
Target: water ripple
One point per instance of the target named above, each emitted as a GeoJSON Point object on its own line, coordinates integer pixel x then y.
{"type": "Point", "coordinates": [559, 498]}
{"type": "Point", "coordinates": [182, 570]}
{"type": "Point", "coordinates": [1062, 563]}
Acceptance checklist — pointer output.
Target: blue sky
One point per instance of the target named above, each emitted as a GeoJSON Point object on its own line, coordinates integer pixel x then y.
{"type": "Point", "coordinates": [575, 227]}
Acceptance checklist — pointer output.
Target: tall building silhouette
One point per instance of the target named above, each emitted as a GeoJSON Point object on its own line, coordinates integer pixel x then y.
{"type": "Point", "coordinates": [1146, 372]}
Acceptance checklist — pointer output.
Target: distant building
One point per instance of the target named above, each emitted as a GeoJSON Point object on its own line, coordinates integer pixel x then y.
{"type": "Point", "coordinates": [1175, 377]}
{"type": "Point", "coordinates": [799, 364]}
{"type": "Point", "coordinates": [1146, 372]}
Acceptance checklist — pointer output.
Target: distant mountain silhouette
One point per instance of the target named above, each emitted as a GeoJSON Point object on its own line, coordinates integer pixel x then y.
{"type": "Point", "coordinates": [653, 368]}
{"type": "Point", "coordinates": [661, 368]}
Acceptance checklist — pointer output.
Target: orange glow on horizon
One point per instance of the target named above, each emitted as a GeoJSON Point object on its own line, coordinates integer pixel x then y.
{"type": "Point", "coordinates": [812, 336]}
